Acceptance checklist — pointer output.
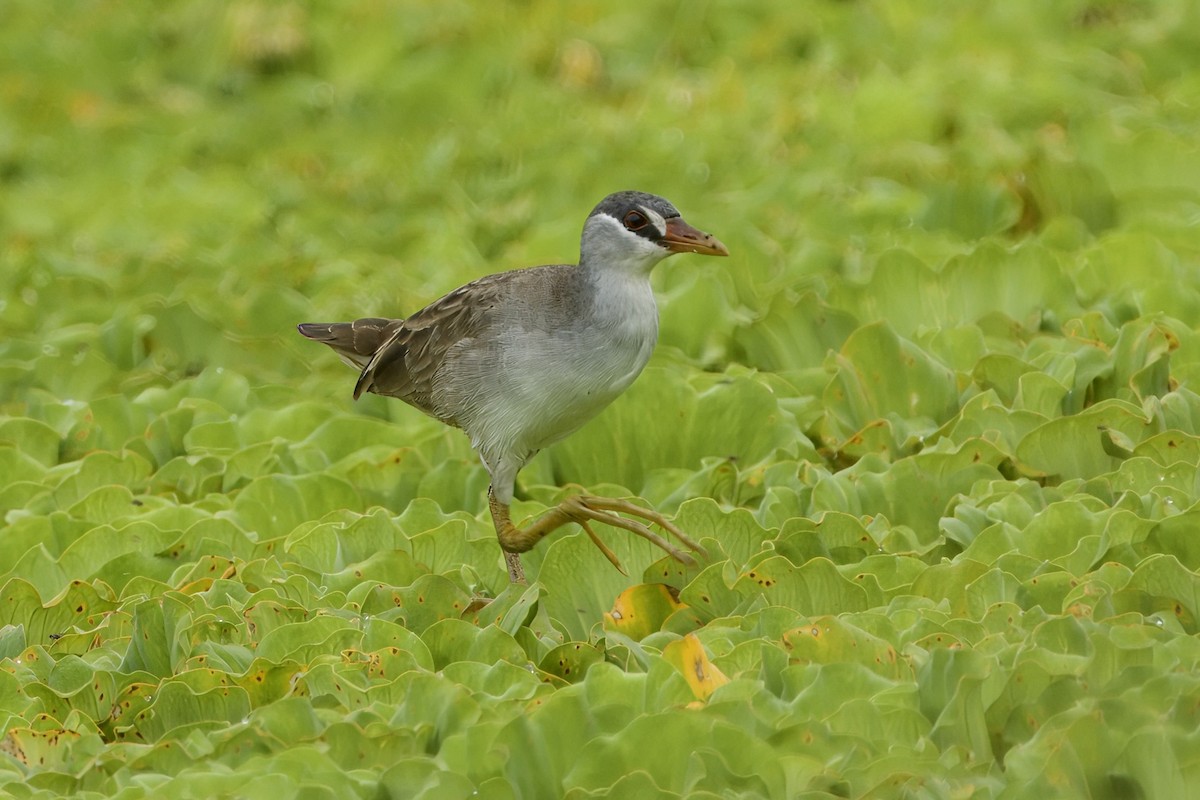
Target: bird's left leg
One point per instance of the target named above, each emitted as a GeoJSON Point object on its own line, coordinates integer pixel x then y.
{"type": "Point", "coordinates": [503, 471]}
{"type": "Point", "coordinates": [503, 523]}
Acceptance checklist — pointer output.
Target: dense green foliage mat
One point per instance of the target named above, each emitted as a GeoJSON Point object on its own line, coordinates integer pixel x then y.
{"type": "Point", "coordinates": [937, 419]}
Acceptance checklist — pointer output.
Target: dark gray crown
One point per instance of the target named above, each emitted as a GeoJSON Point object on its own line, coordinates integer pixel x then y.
{"type": "Point", "coordinates": [618, 204]}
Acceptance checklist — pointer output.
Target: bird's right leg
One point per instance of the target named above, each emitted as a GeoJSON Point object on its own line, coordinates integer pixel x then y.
{"type": "Point", "coordinates": [583, 510]}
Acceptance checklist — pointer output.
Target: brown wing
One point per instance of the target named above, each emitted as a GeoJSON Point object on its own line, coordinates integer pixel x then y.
{"type": "Point", "coordinates": [407, 362]}
{"type": "Point", "coordinates": [354, 342]}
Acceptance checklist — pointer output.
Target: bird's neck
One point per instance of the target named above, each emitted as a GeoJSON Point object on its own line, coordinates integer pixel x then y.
{"type": "Point", "coordinates": [627, 264]}
{"type": "Point", "coordinates": [621, 297]}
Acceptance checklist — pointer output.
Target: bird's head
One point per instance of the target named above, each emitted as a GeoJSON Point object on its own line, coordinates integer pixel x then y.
{"type": "Point", "coordinates": [633, 231]}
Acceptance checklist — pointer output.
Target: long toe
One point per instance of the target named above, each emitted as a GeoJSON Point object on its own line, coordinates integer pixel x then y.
{"type": "Point", "coordinates": [580, 509]}
{"type": "Point", "coordinates": [608, 553]}
{"type": "Point", "coordinates": [614, 505]}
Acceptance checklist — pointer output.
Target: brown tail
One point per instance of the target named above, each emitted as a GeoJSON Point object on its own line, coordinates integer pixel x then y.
{"type": "Point", "coordinates": [355, 342]}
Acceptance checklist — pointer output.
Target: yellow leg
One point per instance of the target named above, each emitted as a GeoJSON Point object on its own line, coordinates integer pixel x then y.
{"type": "Point", "coordinates": [516, 572]}
{"type": "Point", "coordinates": [584, 509]}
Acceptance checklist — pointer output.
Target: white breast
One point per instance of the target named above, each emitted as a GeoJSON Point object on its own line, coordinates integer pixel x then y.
{"type": "Point", "coordinates": [554, 379]}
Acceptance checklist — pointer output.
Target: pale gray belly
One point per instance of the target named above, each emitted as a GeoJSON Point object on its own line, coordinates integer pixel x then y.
{"type": "Point", "coordinates": [533, 388]}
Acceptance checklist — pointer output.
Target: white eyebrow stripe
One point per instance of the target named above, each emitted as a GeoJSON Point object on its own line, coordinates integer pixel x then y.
{"type": "Point", "coordinates": [656, 220]}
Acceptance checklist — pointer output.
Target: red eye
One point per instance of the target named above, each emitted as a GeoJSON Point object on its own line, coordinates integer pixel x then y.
{"type": "Point", "coordinates": [635, 221]}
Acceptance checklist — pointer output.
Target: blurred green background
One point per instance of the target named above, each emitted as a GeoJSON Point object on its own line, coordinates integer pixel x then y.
{"type": "Point", "coordinates": [935, 419]}
{"type": "Point", "coordinates": [183, 182]}
{"type": "Point", "coordinates": [193, 177]}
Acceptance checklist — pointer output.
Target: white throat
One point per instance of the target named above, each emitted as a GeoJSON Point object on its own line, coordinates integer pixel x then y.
{"type": "Point", "coordinates": [607, 247]}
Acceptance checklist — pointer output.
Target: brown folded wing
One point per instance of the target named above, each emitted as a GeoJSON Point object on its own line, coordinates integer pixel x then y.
{"type": "Point", "coordinates": [405, 364]}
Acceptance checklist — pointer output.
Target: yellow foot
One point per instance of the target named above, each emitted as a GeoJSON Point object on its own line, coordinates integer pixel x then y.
{"type": "Point", "coordinates": [585, 509]}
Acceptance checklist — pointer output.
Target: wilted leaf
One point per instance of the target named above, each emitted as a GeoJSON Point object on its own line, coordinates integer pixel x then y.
{"type": "Point", "coordinates": [640, 610]}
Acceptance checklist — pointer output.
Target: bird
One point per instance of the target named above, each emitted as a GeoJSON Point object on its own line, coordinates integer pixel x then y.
{"type": "Point", "coordinates": [521, 359]}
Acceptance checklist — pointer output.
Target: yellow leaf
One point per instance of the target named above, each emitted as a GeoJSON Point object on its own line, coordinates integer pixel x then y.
{"type": "Point", "coordinates": [641, 610]}
{"type": "Point", "coordinates": [687, 655]}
